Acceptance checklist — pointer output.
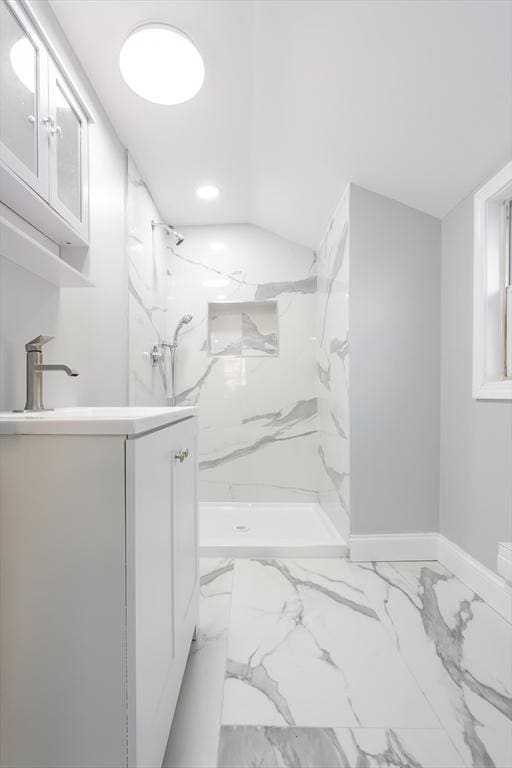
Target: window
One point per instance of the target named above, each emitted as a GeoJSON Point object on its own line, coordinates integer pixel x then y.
{"type": "Point", "coordinates": [492, 292]}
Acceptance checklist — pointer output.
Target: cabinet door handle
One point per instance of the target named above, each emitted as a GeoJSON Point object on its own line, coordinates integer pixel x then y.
{"type": "Point", "coordinates": [53, 128]}
{"type": "Point", "coordinates": [181, 456]}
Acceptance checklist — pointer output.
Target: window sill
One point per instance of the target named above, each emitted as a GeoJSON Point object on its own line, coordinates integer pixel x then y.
{"type": "Point", "coordinates": [494, 390]}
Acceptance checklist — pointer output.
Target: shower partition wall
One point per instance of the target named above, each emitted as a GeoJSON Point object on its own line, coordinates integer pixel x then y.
{"type": "Point", "coordinates": [333, 368]}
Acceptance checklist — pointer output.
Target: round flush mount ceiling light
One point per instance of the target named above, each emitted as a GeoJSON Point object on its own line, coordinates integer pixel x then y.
{"type": "Point", "coordinates": [161, 64]}
{"type": "Point", "coordinates": [208, 192]}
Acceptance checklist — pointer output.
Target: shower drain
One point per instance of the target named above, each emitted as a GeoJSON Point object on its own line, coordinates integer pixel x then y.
{"type": "Point", "coordinates": [241, 528]}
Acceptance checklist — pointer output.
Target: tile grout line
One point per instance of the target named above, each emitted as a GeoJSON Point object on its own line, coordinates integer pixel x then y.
{"type": "Point", "coordinates": [420, 687]}
{"type": "Point", "coordinates": [234, 561]}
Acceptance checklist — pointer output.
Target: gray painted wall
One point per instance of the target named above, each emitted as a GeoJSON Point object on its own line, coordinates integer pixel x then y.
{"type": "Point", "coordinates": [476, 435]}
{"type": "Point", "coordinates": [395, 309]}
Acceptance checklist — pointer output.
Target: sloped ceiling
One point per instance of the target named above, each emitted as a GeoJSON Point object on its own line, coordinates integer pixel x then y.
{"type": "Point", "coordinates": [410, 99]}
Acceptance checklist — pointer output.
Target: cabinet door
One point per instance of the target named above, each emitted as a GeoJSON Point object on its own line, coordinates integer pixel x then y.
{"type": "Point", "coordinates": [23, 98]}
{"type": "Point", "coordinates": [68, 153]}
{"type": "Point", "coordinates": [149, 545]}
{"type": "Point", "coordinates": [161, 534]}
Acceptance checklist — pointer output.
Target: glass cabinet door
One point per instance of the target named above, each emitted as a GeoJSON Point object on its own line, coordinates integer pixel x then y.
{"type": "Point", "coordinates": [23, 99]}
{"type": "Point", "coordinates": [68, 153]}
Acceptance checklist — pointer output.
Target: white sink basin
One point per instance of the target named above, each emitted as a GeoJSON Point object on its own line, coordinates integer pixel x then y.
{"type": "Point", "coordinates": [92, 421]}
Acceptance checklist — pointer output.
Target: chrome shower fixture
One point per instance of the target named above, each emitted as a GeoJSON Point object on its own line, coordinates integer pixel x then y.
{"type": "Point", "coordinates": [156, 354]}
{"type": "Point", "coordinates": [173, 347]}
{"type": "Point", "coordinates": [185, 320]}
{"type": "Point", "coordinates": [178, 239]}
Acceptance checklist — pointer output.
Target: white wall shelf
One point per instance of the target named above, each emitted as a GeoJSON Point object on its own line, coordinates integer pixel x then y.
{"type": "Point", "coordinates": [25, 246]}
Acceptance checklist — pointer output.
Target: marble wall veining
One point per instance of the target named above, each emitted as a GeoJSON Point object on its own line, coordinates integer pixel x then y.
{"type": "Point", "coordinates": [147, 293]}
{"type": "Point", "coordinates": [333, 367]}
{"type": "Point", "coordinates": [258, 405]}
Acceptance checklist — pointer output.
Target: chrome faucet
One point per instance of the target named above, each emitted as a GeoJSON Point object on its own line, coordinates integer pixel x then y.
{"type": "Point", "coordinates": [35, 368]}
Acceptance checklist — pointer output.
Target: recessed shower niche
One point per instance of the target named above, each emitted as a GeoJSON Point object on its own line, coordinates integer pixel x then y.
{"type": "Point", "coordinates": [243, 329]}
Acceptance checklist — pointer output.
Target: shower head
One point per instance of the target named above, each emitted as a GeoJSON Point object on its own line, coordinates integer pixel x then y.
{"type": "Point", "coordinates": [185, 320]}
{"type": "Point", "coordinates": [178, 239]}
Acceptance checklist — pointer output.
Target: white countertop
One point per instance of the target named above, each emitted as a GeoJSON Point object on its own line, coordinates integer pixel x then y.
{"type": "Point", "coordinates": [92, 421]}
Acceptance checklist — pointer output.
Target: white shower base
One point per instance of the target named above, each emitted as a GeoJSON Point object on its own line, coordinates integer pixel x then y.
{"type": "Point", "coordinates": [261, 529]}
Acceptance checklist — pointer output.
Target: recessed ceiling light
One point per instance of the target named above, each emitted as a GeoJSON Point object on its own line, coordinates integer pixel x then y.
{"type": "Point", "coordinates": [161, 64]}
{"type": "Point", "coordinates": [208, 192]}
{"type": "Point", "coordinates": [217, 246]}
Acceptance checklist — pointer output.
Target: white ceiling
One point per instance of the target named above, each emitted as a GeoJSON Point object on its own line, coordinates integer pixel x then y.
{"type": "Point", "coordinates": [410, 99]}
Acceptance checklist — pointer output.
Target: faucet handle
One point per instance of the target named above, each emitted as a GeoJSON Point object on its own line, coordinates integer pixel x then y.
{"type": "Point", "coordinates": [36, 344]}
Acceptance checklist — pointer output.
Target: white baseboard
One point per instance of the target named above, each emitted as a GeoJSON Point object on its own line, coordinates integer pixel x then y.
{"type": "Point", "coordinates": [393, 546]}
{"type": "Point", "coordinates": [490, 586]}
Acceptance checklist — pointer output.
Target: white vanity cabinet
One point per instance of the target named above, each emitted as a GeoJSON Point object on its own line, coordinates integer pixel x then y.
{"type": "Point", "coordinates": [43, 130]}
{"type": "Point", "coordinates": [98, 585]}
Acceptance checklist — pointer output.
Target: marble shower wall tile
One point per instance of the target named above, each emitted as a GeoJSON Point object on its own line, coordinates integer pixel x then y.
{"type": "Point", "coordinates": [333, 368]}
{"type": "Point", "coordinates": [147, 293]}
{"type": "Point", "coordinates": [269, 747]}
{"type": "Point", "coordinates": [458, 649]}
{"type": "Point", "coordinates": [259, 329]}
{"type": "Point", "coordinates": [258, 411]}
{"type": "Point", "coordinates": [243, 329]}
{"type": "Point", "coordinates": [225, 330]}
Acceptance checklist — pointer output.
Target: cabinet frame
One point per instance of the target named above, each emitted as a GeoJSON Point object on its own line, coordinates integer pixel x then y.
{"type": "Point", "coordinates": [38, 181]}
{"type": "Point", "coordinates": [57, 80]}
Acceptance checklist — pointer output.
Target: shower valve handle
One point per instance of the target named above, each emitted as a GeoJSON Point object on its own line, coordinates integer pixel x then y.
{"type": "Point", "coordinates": [155, 355]}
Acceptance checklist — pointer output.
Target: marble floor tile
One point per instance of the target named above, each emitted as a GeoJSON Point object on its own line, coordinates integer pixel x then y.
{"type": "Point", "coordinates": [200, 701]}
{"type": "Point", "coordinates": [458, 648]}
{"type": "Point", "coordinates": [307, 648]}
{"type": "Point", "coordinates": [271, 747]}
